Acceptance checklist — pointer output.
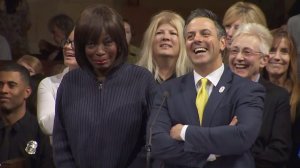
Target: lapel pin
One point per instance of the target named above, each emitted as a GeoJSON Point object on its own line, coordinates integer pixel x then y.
{"type": "Point", "coordinates": [221, 90]}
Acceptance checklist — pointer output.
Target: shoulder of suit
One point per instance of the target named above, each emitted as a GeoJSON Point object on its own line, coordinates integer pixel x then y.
{"type": "Point", "coordinates": [175, 82]}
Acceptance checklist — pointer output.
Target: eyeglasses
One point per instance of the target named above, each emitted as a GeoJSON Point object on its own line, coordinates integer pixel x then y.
{"type": "Point", "coordinates": [67, 42]}
{"type": "Point", "coordinates": [247, 52]}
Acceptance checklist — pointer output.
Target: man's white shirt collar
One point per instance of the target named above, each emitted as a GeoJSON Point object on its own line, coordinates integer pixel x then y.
{"type": "Point", "coordinates": [213, 77]}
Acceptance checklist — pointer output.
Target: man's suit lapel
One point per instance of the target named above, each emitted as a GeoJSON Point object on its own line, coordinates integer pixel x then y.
{"type": "Point", "coordinates": [218, 93]}
{"type": "Point", "coordinates": [189, 97]}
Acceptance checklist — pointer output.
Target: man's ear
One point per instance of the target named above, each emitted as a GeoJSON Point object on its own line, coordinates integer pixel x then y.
{"type": "Point", "coordinates": [28, 91]}
{"type": "Point", "coordinates": [264, 60]}
{"type": "Point", "coordinates": [222, 43]}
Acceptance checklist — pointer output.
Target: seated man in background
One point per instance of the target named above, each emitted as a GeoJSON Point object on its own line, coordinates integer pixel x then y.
{"type": "Point", "coordinates": [134, 52]}
{"type": "Point", "coordinates": [22, 142]}
{"type": "Point", "coordinates": [60, 26]}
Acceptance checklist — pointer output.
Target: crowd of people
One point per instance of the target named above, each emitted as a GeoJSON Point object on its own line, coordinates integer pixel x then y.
{"type": "Point", "coordinates": [200, 92]}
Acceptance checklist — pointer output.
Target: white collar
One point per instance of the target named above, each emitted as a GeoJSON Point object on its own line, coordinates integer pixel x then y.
{"type": "Point", "coordinates": [213, 77]}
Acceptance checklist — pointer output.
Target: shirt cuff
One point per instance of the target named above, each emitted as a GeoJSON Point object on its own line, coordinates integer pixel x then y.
{"type": "Point", "coordinates": [211, 158]}
{"type": "Point", "coordinates": [182, 133]}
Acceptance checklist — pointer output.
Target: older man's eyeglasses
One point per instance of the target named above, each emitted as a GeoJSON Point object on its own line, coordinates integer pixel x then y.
{"type": "Point", "coordinates": [67, 42]}
{"type": "Point", "coordinates": [247, 52]}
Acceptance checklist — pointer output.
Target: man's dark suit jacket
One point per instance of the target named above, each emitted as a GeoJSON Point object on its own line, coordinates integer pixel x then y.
{"type": "Point", "coordinates": [272, 148]}
{"type": "Point", "coordinates": [233, 96]}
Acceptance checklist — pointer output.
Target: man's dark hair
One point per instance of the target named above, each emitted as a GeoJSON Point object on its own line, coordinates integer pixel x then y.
{"type": "Point", "coordinates": [63, 22]}
{"type": "Point", "coordinates": [206, 14]}
{"type": "Point", "coordinates": [14, 67]}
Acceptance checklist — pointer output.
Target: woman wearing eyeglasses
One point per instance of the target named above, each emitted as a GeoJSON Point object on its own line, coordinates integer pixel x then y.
{"type": "Point", "coordinates": [249, 53]}
{"type": "Point", "coordinates": [48, 87]}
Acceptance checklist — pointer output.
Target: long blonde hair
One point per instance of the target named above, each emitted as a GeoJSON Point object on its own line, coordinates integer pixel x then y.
{"type": "Point", "coordinates": [146, 60]}
{"type": "Point", "coordinates": [33, 62]}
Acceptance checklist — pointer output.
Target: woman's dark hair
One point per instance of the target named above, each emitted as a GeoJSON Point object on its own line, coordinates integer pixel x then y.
{"type": "Point", "coordinates": [93, 22]}
{"type": "Point", "coordinates": [63, 22]}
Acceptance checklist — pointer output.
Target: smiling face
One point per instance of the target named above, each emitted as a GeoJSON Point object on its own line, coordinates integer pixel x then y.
{"type": "Point", "coordinates": [13, 91]}
{"type": "Point", "coordinates": [203, 44]}
{"type": "Point", "coordinates": [69, 51]}
{"type": "Point", "coordinates": [279, 61]}
{"type": "Point", "coordinates": [101, 54]}
{"type": "Point", "coordinates": [245, 58]}
{"type": "Point", "coordinates": [166, 42]}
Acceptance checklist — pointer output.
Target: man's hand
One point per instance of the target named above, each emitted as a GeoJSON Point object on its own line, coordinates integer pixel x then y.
{"type": "Point", "coordinates": [175, 132]}
{"type": "Point", "coordinates": [213, 157]}
{"type": "Point", "coordinates": [234, 121]}
{"type": "Point", "coordinates": [176, 129]}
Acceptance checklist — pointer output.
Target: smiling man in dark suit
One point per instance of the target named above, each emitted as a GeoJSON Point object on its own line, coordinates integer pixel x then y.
{"type": "Point", "coordinates": [189, 129]}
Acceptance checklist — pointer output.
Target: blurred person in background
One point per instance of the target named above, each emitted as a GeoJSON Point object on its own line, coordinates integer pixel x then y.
{"type": "Point", "coordinates": [163, 50]}
{"type": "Point", "coordinates": [240, 13]}
{"type": "Point", "coordinates": [60, 27]}
{"type": "Point", "coordinates": [5, 52]}
{"type": "Point", "coordinates": [35, 68]}
{"type": "Point", "coordinates": [14, 25]}
{"type": "Point", "coordinates": [134, 52]}
{"type": "Point", "coordinates": [47, 89]}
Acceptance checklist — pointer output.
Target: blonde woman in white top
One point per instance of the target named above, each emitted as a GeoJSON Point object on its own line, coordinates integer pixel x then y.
{"type": "Point", "coordinates": [48, 87]}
